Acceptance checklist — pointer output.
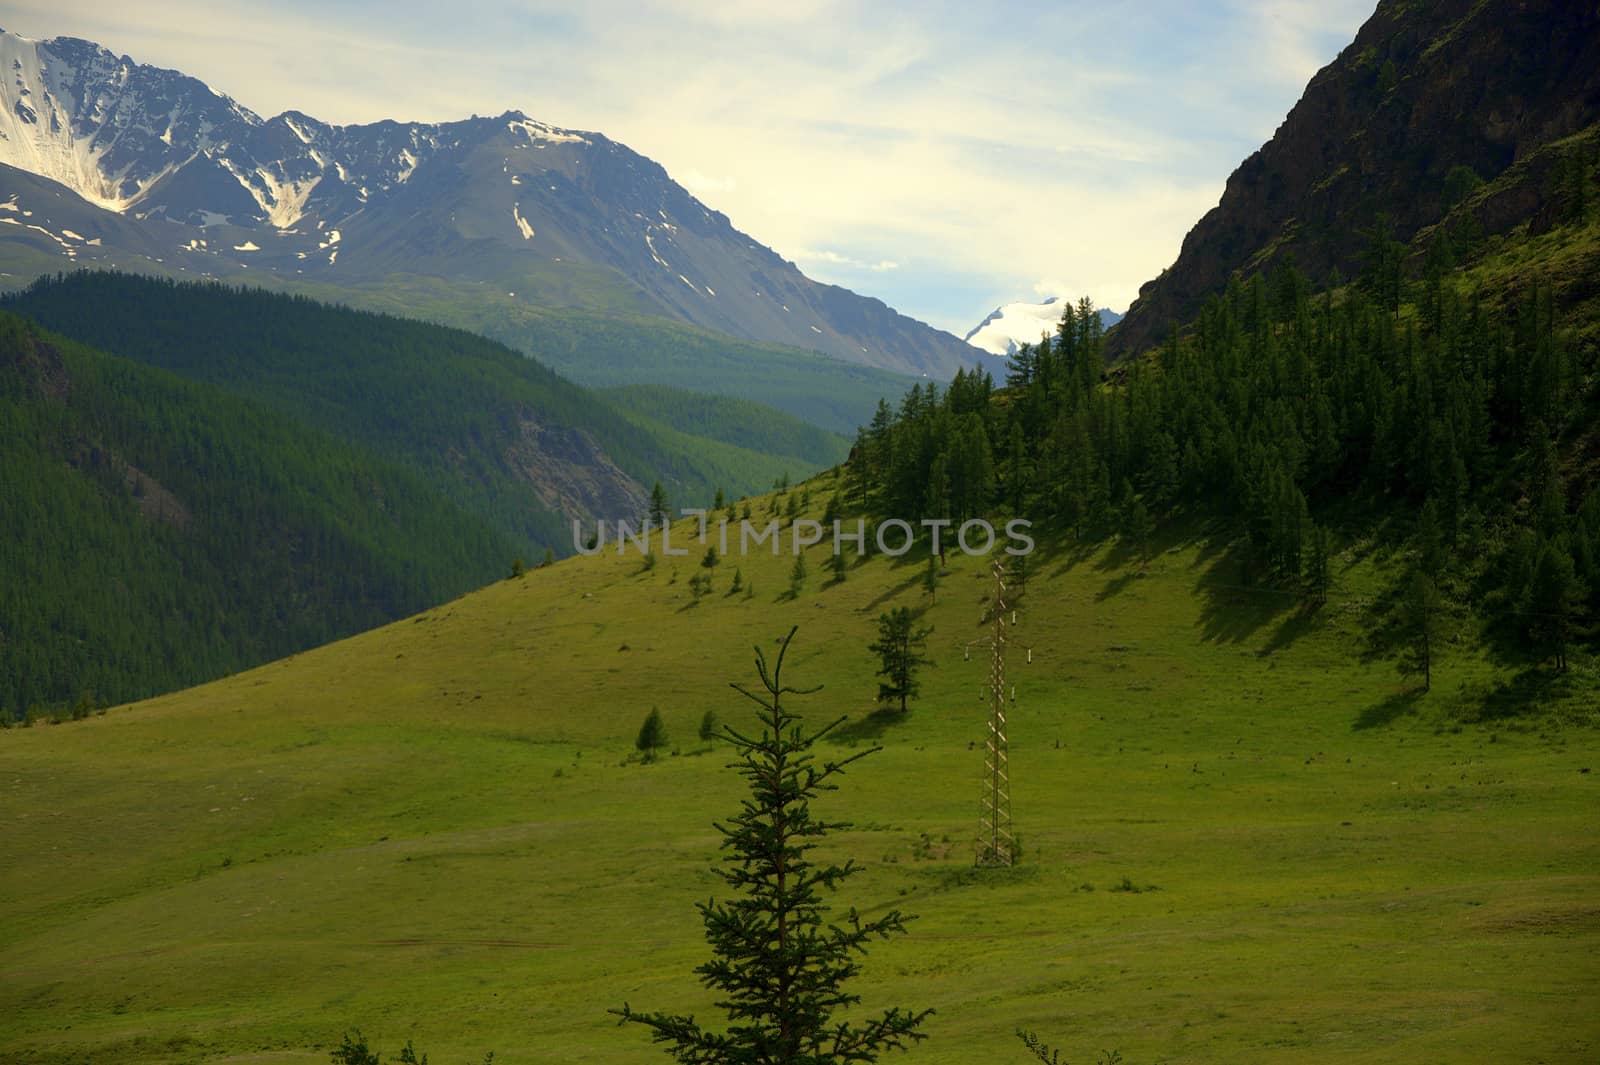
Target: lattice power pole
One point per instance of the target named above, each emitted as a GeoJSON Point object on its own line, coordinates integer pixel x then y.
{"type": "Point", "coordinates": [994, 844]}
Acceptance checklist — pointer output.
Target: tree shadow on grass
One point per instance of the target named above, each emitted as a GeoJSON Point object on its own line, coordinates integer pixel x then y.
{"type": "Point", "coordinates": [871, 727]}
{"type": "Point", "coordinates": [1294, 626]}
{"type": "Point", "coordinates": [1234, 608]}
{"type": "Point", "coordinates": [894, 591]}
{"type": "Point", "coordinates": [1527, 693]}
{"type": "Point", "coordinates": [1387, 711]}
{"type": "Point", "coordinates": [1117, 585]}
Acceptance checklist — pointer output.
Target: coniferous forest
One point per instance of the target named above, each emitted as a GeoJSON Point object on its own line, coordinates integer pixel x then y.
{"type": "Point", "coordinates": [159, 532]}
{"type": "Point", "coordinates": [1409, 410]}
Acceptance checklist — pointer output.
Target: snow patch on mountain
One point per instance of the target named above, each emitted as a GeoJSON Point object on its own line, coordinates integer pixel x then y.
{"type": "Point", "coordinates": [1010, 326]}
{"type": "Point", "coordinates": [538, 133]}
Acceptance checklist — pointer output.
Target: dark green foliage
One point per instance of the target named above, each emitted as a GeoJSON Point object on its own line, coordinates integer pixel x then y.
{"type": "Point", "coordinates": [708, 726]}
{"type": "Point", "coordinates": [930, 579]}
{"type": "Point", "coordinates": [900, 648]}
{"type": "Point", "coordinates": [652, 734]}
{"type": "Point", "coordinates": [1018, 570]}
{"type": "Point", "coordinates": [518, 568]}
{"type": "Point", "coordinates": [1137, 527]}
{"type": "Point", "coordinates": [464, 411]}
{"type": "Point", "coordinates": [1319, 563]}
{"type": "Point", "coordinates": [1050, 1056]}
{"type": "Point", "coordinates": [353, 1050]}
{"type": "Point", "coordinates": [797, 575]}
{"type": "Point", "coordinates": [157, 533]}
{"type": "Point", "coordinates": [1553, 595]}
{"type": "Point", "coordinates": [780, 972]}
{"type": "Point", "coordinates": [660, 511]}
{"type": "Point", "coordinates": [1421, 615]}
{"type": "Point", "coordinates": [838, 566]}
{"type": "Point", "coordinates": [1278, 405]}
{"type": "Point", "coordinates": [1430, 541]}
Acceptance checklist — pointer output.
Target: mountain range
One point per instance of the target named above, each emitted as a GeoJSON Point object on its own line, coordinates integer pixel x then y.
{"type": "Point", "coordinates": [107, 161]}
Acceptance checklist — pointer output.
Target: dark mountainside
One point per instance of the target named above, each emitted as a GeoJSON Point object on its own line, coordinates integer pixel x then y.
{"type": "Point", "coordinates": [151, 168]}
{"type": "Point", "coordinates": [511, 441]}
{"type": "Point", "coordinates": [1381, 134]}
{"type": "Point", "coordinates": [157, 533]}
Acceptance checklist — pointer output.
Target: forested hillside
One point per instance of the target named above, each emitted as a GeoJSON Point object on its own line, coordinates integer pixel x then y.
{"type": "Point", "coordinates": [1450, 416]}
{"type": "Point", "coordinates": [157, 533]}
{"type": "Point", "coordinates": [507, 438]}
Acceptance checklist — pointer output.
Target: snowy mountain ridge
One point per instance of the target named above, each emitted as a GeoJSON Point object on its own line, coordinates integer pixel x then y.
{"type": "Point", "coordinates": [107, 161]}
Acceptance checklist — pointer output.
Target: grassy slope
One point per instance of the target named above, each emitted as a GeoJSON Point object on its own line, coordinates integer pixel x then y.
{"type": "Point", "coordinates": [428, 831]}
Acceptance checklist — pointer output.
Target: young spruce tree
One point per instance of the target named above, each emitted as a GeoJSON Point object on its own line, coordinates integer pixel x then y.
{"type": "Point", "coordinates": [780, 971]}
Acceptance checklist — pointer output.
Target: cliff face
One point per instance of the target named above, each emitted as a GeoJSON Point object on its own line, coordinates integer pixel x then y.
{"type": "Point", "coordinates": [1424, 88]}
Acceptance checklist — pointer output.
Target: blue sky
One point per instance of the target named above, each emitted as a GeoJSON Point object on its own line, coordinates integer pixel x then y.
{"type": "Point", "coordinates": [945, 158]}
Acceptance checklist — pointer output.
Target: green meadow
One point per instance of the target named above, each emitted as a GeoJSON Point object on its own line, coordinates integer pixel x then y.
{"type": "Point", "coordinates": [1245, 839]}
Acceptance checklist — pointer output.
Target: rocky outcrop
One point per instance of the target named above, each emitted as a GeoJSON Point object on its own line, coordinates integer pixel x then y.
{"type": "Point", "coordinates": [1424, 88]}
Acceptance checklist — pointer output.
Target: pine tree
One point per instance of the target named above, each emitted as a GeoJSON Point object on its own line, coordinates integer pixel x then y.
{"type": "Point", "coordinates": [1138, 527]}
{"type": "Point", "coordinates": [899, 648]}
{"type": "Point", "coordinates": [1421, 615]}
{"type": "Point", "coordinates": [930, 579]}
{"type": "Point", "coordinates": [797, 575]}
{"type": "Point", "coordinates": [838, 565]}
{"type": "Point", "coordinates": [1430, 541]}
{"type": "Point", "coordinates": [1552, 597]}
{"type": "Point", "coordinates": [780, 972]}
{"type": "Point", "coordinates": [652, 734]}
{"type": "Point", "coordinates": [658, 506]}
{"type": "Point", "coordinates": [708, 726]}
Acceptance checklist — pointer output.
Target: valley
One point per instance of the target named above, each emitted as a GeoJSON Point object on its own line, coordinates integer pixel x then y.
{"type": "Point", "coordinates": [333, 730]}
{"type": "Point", "coordinates": [414, 832]}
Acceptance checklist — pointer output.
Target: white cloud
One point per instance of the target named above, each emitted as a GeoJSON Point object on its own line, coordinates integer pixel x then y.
{"type": "Point", "coordinates": [703, 185]}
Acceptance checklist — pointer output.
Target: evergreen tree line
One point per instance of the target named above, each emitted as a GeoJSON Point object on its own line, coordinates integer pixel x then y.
{"type": "Point", "coordinates": [1278, 409]}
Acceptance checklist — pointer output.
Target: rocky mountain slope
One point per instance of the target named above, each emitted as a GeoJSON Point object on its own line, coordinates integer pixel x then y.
{"type": "Point", "coordinates": [1423, 91]}
{"type": "Point", "coordinates": [149, 165]}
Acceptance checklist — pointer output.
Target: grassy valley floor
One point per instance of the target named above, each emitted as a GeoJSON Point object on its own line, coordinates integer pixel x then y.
{"type": "Point", "coordinates": [1243, 841]}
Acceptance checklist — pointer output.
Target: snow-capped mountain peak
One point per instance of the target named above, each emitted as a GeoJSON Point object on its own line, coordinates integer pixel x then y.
{"type": "Point", "coordinates": [107, 161]}
{"type": "Point", "coordinates": [1010, 326]}
{"type": "Point", "coordinates": [103, 126]}
{"type": "Point", "coordinates": [1014, 324]}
